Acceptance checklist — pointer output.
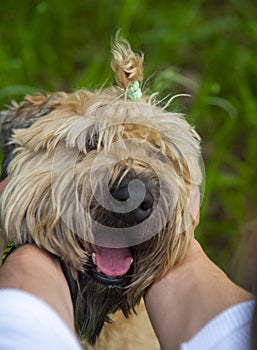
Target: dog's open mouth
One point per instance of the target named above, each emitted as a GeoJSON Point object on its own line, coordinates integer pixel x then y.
{"type": "Point", "coordinates": [111, 265]}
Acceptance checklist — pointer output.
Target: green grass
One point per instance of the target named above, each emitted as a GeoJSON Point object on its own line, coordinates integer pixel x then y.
{"type": "Point", "coordinates": [205, 48]}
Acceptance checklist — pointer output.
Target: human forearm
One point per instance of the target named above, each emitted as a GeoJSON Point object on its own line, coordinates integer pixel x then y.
{"type": "Point", "coordinates": [188, 297]}
{"type": "Point", "coordinates": [35, 271]}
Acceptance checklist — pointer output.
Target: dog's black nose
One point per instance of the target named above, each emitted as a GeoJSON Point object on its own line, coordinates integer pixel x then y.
{"type": "Point", "coordinates": [133, 201]}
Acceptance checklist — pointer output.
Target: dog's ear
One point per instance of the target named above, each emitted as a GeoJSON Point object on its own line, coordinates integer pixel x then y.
{"type": "Point", "coordinates": [19, 116]}
{"type": "Point", "coordinates": [22, 115]}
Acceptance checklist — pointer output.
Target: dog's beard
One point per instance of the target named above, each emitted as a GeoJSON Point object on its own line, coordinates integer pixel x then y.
{"type": "Point", "coordinates": [94, 303]}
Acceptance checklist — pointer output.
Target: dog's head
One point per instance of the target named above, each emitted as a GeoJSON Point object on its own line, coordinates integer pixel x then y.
{"type": "Point", "coordinates": [103, 180]}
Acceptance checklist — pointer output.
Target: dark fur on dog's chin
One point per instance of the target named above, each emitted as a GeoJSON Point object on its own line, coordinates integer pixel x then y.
{"type": "Point", "coordinates": [94, 303]}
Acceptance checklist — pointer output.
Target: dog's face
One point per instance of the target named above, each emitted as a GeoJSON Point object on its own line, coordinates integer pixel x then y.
{"type": "Point", "coordinates": [104, 183]}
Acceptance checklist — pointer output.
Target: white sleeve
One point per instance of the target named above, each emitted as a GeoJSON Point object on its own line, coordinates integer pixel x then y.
{"type": "Point", "coordinates": [26, 322]}
{"type": "Point", "coordinates": [229, 330]}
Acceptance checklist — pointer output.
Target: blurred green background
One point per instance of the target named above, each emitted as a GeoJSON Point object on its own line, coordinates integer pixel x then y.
{"type": "Point", "coordinates": [205, 48]}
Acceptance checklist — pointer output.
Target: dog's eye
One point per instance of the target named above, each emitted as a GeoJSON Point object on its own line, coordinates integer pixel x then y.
{"type": "Point", "coordinates": [91, 143]}
{"type": "Point", "coordinates": [158, 155]}
{"type": "Point", "coordinates": [90, 146]}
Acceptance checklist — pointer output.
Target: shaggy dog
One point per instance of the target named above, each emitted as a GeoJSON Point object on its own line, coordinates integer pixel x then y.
{"type": "Point", "coordinates": [103, 180]}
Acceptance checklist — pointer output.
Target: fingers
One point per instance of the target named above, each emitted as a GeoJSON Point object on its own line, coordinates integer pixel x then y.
{"type": "Point", "coordinates": [3, 185]}
{"type": "Point", "coordinates": [195, 205]}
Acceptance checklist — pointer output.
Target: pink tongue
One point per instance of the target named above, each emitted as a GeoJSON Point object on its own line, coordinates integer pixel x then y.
{"type": "Point", "coordinates": [113, 261]}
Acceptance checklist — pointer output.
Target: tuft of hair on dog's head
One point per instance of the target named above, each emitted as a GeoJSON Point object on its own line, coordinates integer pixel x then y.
{"type": "Point", "coordinates": [126, 64]}
{"type": "Point", "coordinates": [94, 176]}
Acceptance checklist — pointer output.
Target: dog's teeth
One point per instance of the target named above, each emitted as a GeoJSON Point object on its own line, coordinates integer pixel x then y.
{"type": "Point", "coordinates": [93, 258]}
{"type": "Point", "coordinates": [131, 261]}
